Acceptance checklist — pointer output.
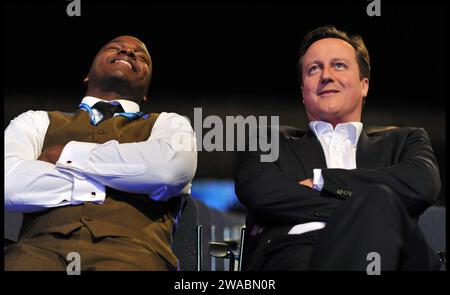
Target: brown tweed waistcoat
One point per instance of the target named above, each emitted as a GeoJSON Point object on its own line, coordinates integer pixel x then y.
{"type": "Point", "coordinates": [134, 216]}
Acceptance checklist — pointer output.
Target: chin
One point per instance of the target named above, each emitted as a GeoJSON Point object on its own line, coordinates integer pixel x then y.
{"type": "Point", "coordinates": [118, 74]}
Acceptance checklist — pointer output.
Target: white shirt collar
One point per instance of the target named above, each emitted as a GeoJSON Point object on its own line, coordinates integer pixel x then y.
{"type": "Point", "coordinates": [127, 105]}
{"type": "Point", "coordinates": [351, 130]}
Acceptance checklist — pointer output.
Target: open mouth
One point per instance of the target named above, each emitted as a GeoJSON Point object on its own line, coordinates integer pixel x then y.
{"type": "Point", "coordinates": [124, 62]}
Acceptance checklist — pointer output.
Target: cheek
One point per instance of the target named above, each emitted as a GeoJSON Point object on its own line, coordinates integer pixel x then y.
{"type": "Point", "coordinates": [145, 76]}
{"type": "Point", "coordinates": [101, 63]}
{"type": "Point", "coordinates": [95, 68]}
{"type": "Point", "coordinates": [309, 89]}
{"type": "Point", "coordinates": [351, 83]}
{"type": "Point", "coordinates": [309, 98]}
{"type": "Point", "coordinates": [145, 70]}
{"type": "Point", "coordinates": [353, 90]}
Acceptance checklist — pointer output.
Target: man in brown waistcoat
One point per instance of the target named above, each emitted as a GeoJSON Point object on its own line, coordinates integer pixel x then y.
{"type": "Point", "coordinates": [101, 187]}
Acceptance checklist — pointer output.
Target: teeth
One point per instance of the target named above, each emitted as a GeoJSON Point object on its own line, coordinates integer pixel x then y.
{"type": "Point", "coordinates": [124, 62]}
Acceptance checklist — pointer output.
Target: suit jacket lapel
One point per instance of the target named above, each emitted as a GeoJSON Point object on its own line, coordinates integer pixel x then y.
{"type": "Point", "coordinates": [366, 153]}
{"type": "Point", "coordinates": [309, 152]}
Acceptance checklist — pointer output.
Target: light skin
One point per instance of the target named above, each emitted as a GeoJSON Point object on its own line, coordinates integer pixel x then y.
{"type": "Point", "coordinates": [121, 70]}
{"type": "Point", "coordinates": [332, 89]}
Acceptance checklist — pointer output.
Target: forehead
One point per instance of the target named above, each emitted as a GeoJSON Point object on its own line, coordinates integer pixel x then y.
{"type": "Point", "coordinates": [130, 41]}
{"type": "Point", "coordinates": [330, 48]}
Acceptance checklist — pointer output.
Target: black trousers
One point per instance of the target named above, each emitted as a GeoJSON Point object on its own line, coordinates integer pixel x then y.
{"type": "Point", "coordinates": [371, 225]}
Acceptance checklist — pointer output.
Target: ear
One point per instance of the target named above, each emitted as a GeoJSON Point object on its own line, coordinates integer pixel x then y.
{"type": "Point", "coordinates": [364, 87]}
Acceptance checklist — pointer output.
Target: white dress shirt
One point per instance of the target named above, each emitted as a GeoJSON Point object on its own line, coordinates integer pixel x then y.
{"type": "Point", "coordinates": [339, 147]}
{"type": "Point", "coordinates": [163, 166]}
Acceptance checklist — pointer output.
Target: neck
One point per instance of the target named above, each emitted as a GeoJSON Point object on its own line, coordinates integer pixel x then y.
{"type": "Point", "coordinates": [110, 94]}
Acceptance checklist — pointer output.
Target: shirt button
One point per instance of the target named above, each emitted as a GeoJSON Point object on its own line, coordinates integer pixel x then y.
{"type": "Point", "coordinates": [93, 194]}
{"type": "Point", "coordinates": [69, 162]}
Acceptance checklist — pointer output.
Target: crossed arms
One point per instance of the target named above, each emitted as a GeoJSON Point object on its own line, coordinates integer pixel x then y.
{"type": "Point", "coordinates": [158, 167]}
{"type": "Point", "coordinates": [268, 190]}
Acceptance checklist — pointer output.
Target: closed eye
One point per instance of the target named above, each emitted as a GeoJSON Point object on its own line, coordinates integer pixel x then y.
{"type": "Point", "coordinates": [113, 48]}
{"type": "Point", "coordinates": [143, 58]}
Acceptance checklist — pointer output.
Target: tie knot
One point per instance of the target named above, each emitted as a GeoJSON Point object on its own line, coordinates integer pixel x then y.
{"type": "Point", "coordinates": [108, 108]}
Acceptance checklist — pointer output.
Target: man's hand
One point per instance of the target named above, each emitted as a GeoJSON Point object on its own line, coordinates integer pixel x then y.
{"type": "Point", "coordinates": [307, 182]}
{"type": "Point", "coordinates": [51, 154]}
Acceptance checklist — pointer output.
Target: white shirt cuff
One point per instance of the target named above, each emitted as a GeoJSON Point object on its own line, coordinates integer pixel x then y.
{"type": "Point", "coordinates": [306, 227]}
{"type": "Point", "coordinates": [318, 180]}
{"type": "Point", "coordinates": [86, 190]}
{"type": "Point", "coordinates": [75, 155]}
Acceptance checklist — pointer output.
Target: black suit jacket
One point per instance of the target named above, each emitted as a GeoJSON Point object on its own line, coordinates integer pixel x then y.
{"type": "Point", "coordinates": [400, 158]}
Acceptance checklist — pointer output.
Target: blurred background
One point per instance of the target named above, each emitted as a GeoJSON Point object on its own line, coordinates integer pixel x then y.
{"type": "Point", "coordinates": [234, 59]}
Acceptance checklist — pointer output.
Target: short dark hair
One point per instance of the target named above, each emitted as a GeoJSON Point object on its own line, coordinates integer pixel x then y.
{"type": "Point", "coordinates": [329, 31]}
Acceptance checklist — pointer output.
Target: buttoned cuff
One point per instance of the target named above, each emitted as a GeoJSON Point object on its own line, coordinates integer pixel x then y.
{"type": "Point", "coordinates": [75, 155]}
{"type": "Point", "coordinates": [318, 180]}
{"type": "Point", "coordinates": [86, 190]}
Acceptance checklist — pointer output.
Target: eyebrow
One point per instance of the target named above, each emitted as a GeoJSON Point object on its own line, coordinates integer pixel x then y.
{"type": "Point", "coordinates": [340, 59]}
{"type": "Point", "coordinates": [333, 60]}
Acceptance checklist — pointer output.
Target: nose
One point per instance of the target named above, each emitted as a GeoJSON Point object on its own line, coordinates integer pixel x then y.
{"type": "Point", "coordinates": [327, 75]}
{"type": "Point", "coordinates": [127, 51]}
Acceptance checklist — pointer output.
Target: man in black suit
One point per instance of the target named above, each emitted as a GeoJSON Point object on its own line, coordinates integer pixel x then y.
{"type": "Point", "coordinates": [337, 198]}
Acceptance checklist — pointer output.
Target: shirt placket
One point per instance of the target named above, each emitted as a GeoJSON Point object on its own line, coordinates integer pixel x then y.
{"type": "Point", "coordinates": [347, 148]}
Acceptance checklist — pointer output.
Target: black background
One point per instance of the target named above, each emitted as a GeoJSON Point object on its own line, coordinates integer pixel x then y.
{"type": "Point", "coordinates": [227, 49]}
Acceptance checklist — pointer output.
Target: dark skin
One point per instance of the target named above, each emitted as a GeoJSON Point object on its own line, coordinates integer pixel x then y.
{"type": "Point", "coordinates": [122, 69]}
{"type": "Point", "coordinates": [51, 154]}
{"type": "Point", "coordinates": [129, 79]}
